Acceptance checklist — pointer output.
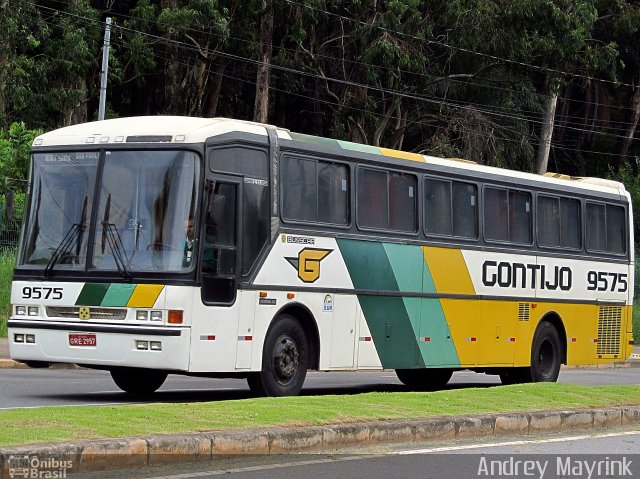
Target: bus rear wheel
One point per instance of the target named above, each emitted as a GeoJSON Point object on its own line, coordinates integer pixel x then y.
{"type": "Point", "coordinates": [285, 359]}
{"type": "Point", "coordinates": [138, 381]}
{"type": "Point", "coordinates": [424, 379]}
{"type": "Point", "coordinates": [546, 358]}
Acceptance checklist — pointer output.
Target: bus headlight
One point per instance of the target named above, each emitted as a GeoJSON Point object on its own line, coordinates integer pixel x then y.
{"type": "Point", "coordinates": [21, 310]}
{"type": "Point", "coordinates": [156, 315]}
{"type": "Point", "coordinates": [18, 338]}
{"type": "Point", "coordinates": [33, 310]}
{"type": "Point", "coordinates": [142, 315]}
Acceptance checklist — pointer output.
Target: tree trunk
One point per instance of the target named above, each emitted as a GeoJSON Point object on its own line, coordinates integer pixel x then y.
{"type": "Point", "coordinates": [625, 143]}
{"type": "Point", "coordinates": [261, 107]}
{"type": "Point", "coordinates": [547, 131]}
{"type": "Point", "coordinates": [214, 94]}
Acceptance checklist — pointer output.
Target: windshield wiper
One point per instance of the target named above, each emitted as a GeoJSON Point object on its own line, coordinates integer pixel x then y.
{"type": "Point", "coordinates": [111, 237]}
{"type": "Point", "coordinates": [75, 233]}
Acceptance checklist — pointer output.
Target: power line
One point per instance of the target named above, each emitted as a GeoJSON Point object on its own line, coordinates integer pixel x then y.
{"type": "Point", "coordinates": [465, 50]}
{"type": "Point", "coordinates": [436, 79]}
{"type": "Point", "coordinates": [415, 97]}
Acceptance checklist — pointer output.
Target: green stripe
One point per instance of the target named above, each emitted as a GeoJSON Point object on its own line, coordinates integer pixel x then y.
{"type": "Point", "coordinates": [388, 319]}
{"type": "Point", "coordinates": [316, 140]}
{"type": "Point", "coordinates": [398, 324]}
{"type": "Point", "coordinates": [347, 145]}
{"type": "Point", "coordinates": [118, 295]}
{"type": "Point", "coordinates": [92, 294]}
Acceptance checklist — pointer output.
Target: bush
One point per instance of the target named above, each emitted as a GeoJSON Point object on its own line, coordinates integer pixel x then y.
{"type": "Point", "coordinates": [7, 262]}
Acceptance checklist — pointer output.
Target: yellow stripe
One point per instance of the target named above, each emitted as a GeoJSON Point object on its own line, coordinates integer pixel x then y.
{"type": "Point", "coordinates": [403, 155]}
{"type": "Point", "coordinates": [145, 295]}
{"type": "Point", "coordinates": [448, 270]}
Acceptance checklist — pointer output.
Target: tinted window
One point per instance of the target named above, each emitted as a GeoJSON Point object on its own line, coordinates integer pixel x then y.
{"type": "Point", "coordinates": [253, 165]}
{"type": "Point", "coordinates": [437, 207]}
{"type": "Point", "coordinates": [315, 191]}
{"type": "Point", "coordinates": [450, 208]}
{"type": "Point", "coordinates": [507, 215]}
{"type": "Point", "coordinates": [496, 210]}
{"type": "Point", "coordinates": [559, 223]}
{"type": "Point", "coordinates": [386, 200]}
{"type": "Point", "coordinates": [240, 160]}
{"type": "Point", "coordinates": [606, 228]}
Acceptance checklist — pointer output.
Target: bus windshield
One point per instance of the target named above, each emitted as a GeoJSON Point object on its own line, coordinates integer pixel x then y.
{"type": "Point", "coordinates": [145, 201]}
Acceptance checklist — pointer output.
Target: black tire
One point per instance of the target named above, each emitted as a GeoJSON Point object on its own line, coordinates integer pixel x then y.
{"type": "Point", "coordinates": [546, 354]}
{"type": "Point", "coordinates": [424, 379]}
{"type": "Point", "coordinates": [138, 381]}
{"type": "Point", "coordinates": [546, 358]}
{"type": "Point", "coordinates": [285, 359]}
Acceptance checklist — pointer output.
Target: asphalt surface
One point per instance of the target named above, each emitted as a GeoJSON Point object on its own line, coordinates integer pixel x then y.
{"type": "Point", "coordinates": [55, 387]}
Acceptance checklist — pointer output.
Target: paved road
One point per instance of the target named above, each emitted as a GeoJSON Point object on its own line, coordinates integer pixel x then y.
{"type": "Point", "coordinates": [545, 457]}
{"type": "Point", "coordinates": [48, 387]}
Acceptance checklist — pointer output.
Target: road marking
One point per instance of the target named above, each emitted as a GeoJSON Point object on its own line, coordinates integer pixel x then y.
{"type": "Point", "coordinates": [264, 467]}
{"type": "Point", "coordinates": [512, 443]}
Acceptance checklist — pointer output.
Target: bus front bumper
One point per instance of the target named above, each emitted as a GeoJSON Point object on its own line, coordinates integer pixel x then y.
{"type": "Point", "coordinates": [97, 345]}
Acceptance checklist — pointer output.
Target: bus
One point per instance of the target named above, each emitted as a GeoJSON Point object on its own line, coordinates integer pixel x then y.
{"type": "Point", "coordinates": [223, 248]}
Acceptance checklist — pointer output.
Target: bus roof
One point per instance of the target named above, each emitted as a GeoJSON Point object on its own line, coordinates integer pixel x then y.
{"type": "Point", "coordinates": [180, 130]}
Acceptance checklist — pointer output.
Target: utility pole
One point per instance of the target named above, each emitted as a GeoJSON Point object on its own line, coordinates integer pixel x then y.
{"type": "Point", "coordinates": [105, 69]}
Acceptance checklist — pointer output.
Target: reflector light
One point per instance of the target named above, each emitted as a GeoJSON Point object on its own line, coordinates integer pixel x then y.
{"type": "Point", "coordinates": [263, 294]}
{"type": "Point", "coordinates": [175, 316]}
{"type": "Point", "coordinates": [290, 295]}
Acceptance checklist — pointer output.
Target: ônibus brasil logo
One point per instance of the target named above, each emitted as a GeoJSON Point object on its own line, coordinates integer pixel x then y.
{"type": "Point", "coordinates": [308, 263]}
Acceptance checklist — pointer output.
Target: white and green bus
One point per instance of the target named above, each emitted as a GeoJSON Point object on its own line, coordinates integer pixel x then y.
{"type": "Point", "coordinates": [213, 247]}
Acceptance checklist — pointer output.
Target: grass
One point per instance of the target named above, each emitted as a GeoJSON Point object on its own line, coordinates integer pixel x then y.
{"type": "Point", "coordinates": [7, 262]}
{"type": "Point", "coordinates": [54, 424]}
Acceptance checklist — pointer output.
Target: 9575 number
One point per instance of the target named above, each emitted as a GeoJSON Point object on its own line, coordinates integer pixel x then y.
{"type": "Point", "coordinates": [603, 281]}
{"type": "Point", "coordinates": [37, 292]}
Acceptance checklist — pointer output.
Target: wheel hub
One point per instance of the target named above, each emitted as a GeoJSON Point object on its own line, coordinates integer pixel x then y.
{"type": "Point", "coordinates": [285, 359]}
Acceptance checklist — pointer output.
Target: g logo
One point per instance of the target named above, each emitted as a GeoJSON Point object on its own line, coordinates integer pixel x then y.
{"type": "Point", "coordinates": [308, 263]}
{"type": "Point", "coordinates": [84, 313]}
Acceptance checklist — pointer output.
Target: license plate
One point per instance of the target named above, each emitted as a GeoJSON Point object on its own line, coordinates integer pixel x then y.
{"type": "Point", "coordinates": [82, 340]}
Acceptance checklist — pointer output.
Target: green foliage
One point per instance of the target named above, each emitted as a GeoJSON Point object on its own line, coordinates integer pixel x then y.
{"type": "Point", "coordinates": [14, 151]}
{"type": "Point", "coordinates": [461, 77]}
{"type": "Point", "coordinates": [7, 262]}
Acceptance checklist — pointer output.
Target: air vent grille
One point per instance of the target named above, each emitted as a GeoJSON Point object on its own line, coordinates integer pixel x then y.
{"type": "Point", "coordinates": [609, 322]}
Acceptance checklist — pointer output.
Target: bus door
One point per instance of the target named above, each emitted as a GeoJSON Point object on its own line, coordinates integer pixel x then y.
{"type": "Point", "coordinates": [220, 258]}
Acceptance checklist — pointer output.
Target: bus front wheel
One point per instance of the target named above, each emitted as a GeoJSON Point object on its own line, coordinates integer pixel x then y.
{"type": "Point", "coordinates": [138, 381]}
{"type": "Point", "coordinates": [424, 379]}
{"type": "Point", "coordinates": [284, 360]}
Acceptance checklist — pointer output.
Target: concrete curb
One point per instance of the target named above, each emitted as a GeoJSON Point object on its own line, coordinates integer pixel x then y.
{"type": "Point", "coordinates": [113, 454]}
